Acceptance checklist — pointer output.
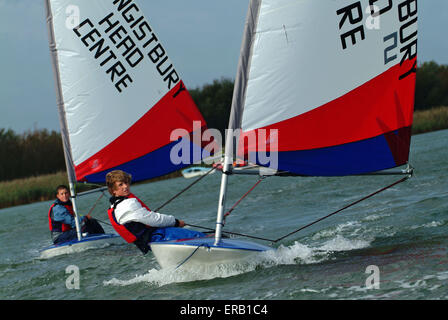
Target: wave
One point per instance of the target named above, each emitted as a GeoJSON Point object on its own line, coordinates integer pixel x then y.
{"type": "Point", "coordinates": [294, 254]}
{"type": "Point", "coordinates": [432, 224]}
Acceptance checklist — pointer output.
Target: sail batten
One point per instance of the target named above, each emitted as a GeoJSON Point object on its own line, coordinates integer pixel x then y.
{"type": "Point", "coordinates": [329, 80]}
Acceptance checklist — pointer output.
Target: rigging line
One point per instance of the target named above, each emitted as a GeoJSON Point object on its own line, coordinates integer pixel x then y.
{"type": "Point", "coordinates": [84, 193]}
{"type": "Point", "coordinates": [188, 258]}
{"type": "Point", "coordinates": [103, 222]}
{"type": "Point", "coordinates": [182, 191]}
{"type": "Point", "coordinates": [306, 226]}
{"type": "Point", "coordinates": [201, 227]}
{"type": "Point", "coordinates": [102, 194]}
{"type": "Point", "coordinates": [232, 233]}
{"type": "Point", "coordinates": [96, 202]}
{"type": "Point", "coordinates": [347, 206]}
{"type": "Point", "coordinates": [238, 202]}
{"type": "Point", "coordinates": [230, 211]}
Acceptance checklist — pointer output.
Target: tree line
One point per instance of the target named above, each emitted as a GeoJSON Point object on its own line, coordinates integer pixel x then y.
{"type": "Point", "coordinates": [431, 86]}
{"type": "Point", "coordinates": [40, 151]}
{"type": "Point", "coordinates": [29, 154]}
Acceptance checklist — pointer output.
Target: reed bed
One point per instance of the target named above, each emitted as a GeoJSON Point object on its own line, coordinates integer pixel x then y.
{"type": "Point", "coordinates": [33, 189]}
{"type": "Point", "coordinates": [43, 188]}
{"type": "Point", "coordinates": [430, 120]}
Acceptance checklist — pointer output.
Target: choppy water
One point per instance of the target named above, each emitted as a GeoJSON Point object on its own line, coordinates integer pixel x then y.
{"type": "Point", "coordinates": [402, 231]}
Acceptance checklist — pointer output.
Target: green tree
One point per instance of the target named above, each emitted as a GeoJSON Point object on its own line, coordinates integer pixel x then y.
{"type": "Point", "coordinates": [10, 154]}
{"type": "Point", "coordinates": [42, 152]}
{"type": "Point", "coordinates": [431, 86]}
{"type": "Point", "coordinates": [32, 153]}
{"type": "Point", "coordinates": [214, 101]}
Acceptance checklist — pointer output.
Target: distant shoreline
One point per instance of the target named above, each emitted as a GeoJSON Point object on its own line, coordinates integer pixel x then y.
{"type": "Point", "coordinates": [41, 188]}
{"type": "Point", "coordinates": [430, 120]}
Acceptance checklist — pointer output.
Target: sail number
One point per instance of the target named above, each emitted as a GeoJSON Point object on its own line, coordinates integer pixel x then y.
{"type": "Point", "coordinates": [402, 41]}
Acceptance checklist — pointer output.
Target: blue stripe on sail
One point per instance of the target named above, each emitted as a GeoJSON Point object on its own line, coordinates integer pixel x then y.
{"type": "Point", "coordinates": [353, 158]}
{"type": "Point", "coordinates": [151, 165]}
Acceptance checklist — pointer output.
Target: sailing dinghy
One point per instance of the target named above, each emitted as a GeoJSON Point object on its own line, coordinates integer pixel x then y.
{"type": "Point", "coordinates": [195, 172]}
{"type": "Point", "coordinates": [119, 98]}
{"type": "Point", "coordinates": [327, 89]}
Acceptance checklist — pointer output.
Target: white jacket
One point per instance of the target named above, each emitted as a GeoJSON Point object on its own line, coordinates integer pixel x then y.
{"type": "Point", "coordinates": [131, 210]}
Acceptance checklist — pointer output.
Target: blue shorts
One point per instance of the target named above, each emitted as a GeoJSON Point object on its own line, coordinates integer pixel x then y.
{"type": "Point", "coordinates": [174, 233]}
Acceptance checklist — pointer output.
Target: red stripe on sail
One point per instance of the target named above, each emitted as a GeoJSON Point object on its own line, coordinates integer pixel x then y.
{"type": "Point", "coordinates": [176, 110]}
{"type": "Point", "coordinates": [383, 104]}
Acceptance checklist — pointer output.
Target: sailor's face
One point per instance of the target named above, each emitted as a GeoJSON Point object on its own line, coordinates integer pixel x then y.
{"type": "Point", "coordinates": [63, 195]}
{"type": "Point", "coordinates": [121, 189]}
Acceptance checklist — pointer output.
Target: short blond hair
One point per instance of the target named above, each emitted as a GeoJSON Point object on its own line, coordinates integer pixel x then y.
{"type": "Point", "coordinates": [117, 176]}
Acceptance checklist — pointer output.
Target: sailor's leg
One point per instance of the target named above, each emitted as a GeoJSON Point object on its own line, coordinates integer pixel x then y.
{"type": "Point", "coordinates": [174, 233]}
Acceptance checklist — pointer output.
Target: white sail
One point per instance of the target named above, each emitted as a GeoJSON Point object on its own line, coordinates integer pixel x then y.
{"type": "Point", "coordinates": [121, 94]}
{"type": "Point", "coordinates": [302, 52]}
{"type": "Point", "coordinates": [338, 75]}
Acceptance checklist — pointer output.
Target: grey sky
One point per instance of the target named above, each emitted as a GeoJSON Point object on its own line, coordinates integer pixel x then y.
{"type": "Point", "coordinates": [202, 37]}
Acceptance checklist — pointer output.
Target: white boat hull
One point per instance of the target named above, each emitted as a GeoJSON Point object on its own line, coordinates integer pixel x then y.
{"type": "Point", "coordinates": [200, 252]}
{"type": "Point", "coordinates": [195, 172]}
{"type": "Point", "coordinates": [89, 242]}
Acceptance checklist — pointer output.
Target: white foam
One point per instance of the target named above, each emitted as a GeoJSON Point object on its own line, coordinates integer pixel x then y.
{"type": "Point", "coordinates": [375, 217]}
{"type": "Point", "coordinates": [337, 230]}
{"type": "Point", "coordinates": [161, 277]}
{"type": "Point", "coordinates": [297, 253]}
{"type": "Point", "coordinates": [339, 243]}
{"type": "Point", "coordinates": [300, 253]}
{"type": "Point", "coordinates": [428, 225]}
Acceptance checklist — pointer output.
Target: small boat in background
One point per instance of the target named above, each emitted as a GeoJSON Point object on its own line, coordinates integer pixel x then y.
{"type": "Point", "coordinates": [94, 241]}
{"type": "Point", "coordinates": [195, 172]}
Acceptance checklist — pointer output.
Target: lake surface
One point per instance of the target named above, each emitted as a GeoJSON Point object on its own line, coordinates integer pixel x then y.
{"type": "Point", "coordinates": [402, 233]}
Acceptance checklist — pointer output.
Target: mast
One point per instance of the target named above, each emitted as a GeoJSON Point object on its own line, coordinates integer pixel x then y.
{"type": "Point", "coordinates": [223, 190]}
{"type": "Point", "coordinates": [61, 111]}
{"type": "Point", "coordinates": [237, 108]}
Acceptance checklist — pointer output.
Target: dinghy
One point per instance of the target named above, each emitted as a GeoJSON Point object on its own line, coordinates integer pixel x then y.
{"type": "Point", "coordinates": [195, 172]}
{"type": "Point", "coordinates": [323, 88]}
{"type": "Point", "coordinates": [119, 98]}
{"type": "Point", "coordinates": [93, 241]}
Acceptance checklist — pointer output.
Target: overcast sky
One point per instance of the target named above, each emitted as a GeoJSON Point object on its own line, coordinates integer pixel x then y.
{"type": "Point", "coordinates": [202, 38]}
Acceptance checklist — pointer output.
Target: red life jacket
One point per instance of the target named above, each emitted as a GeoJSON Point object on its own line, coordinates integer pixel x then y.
{"type": "Point", "coordinates": [58, 226]}
{"type": "Point", "coordinates": [129, 231]}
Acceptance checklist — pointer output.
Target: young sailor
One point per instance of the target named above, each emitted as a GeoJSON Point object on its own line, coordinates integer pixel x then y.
{"type": "Point", "coordinates": [61, 219]}
{"type": "Point", "coordinates": [135, 222]}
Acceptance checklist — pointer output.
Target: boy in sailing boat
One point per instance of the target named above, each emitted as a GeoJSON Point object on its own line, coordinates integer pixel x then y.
{"type": "Point", "coordinates": [61, 219]}
{"type": "Point", "coordinates": [135, 222]}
